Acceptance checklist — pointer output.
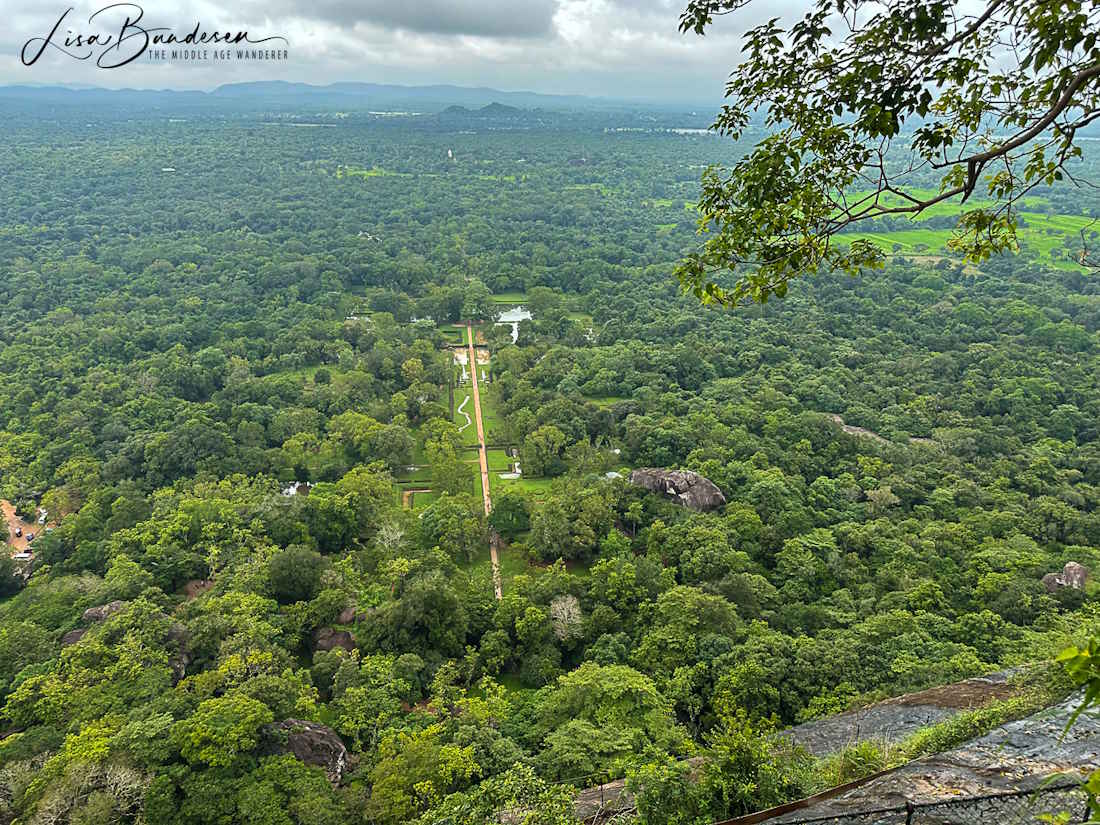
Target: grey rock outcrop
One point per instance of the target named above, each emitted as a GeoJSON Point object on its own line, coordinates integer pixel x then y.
{"type": "Point", "coordinates": [1019, 755]}
{"type": "Point", "coordinates": [73, 636]}
{"type": "Point", "coordinates": [101, 612]}
{"type": "Point", "coordinates": [1073, 575]}
{"type": "Point", "coordinates": [328, 638]}
{"type": "Point", "coordinates": [311, 743]}
{"type": "Point", "coordinates": [892, 720]}
{"type": "Point", "coordinates": [183, 658]}
{"type": "Point", "coordinates": [685, 487]}
{"type": "Point", "coordinates": [347, 615]}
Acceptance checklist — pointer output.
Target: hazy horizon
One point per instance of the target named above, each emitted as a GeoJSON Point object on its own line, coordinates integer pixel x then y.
{"type": "Point", "coordinates": [618, 49]}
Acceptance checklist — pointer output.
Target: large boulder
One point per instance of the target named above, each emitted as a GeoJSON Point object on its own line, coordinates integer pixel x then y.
{"type": "Point", "coordinates": [73, 636]}
{"type": "Point", "coordinates": [179, 663]}
{"type": "Point", "coordinates": [347, 615]}
{"type": "Point", "coordinates": [328, 638]}
{"type": "Point", "coordinates": [101, 612]}
{"type": "Point", "coordinates": [685, 487]}
{"type": "Point", "coordinates": [311, 743]}
{"type": "Point", "coordinates": [1073, 575]}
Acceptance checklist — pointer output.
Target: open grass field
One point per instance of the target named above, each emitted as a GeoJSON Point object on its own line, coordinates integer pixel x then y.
{"type": "Point", "coordinates": [1039, 230]}
{"type": "Point", "coordinates": [490, 419]}
{"type": "Point", "coordinates": [512, 564]}
{"type": "Point", "coordinates": [419, 477]}
{"type": "Point", "coordinates": [1032, 202]}
{"type": "Point", "coordinates": [536, 488]}
{"type": "Point", "coordinates": [307, 374]}
{"type": "Point", "coordinates": [510, 298]}
{"type": "Point", "coordinates": [452, 334]}
{"type": "Point", "coordinates": [372, 172]}
{"type": "Point", "coordinates": [601, 188]}
{"type": "Point", "coordinates": [464, 401]}
{"type": "Point", "coordinates": [499, 461]}
{"type": "Point", "coordinates": [419, 501]}
{"type": "Point", "coordinates": [909, 240]}
{"type": "Point", "coordinates": [1044, 234]}
{"type": "Point", "coordinates": [607, 400]}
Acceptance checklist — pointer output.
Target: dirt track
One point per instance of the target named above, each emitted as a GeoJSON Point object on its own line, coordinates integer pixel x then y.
{"type": "Point", "coordinates": [19, 544]}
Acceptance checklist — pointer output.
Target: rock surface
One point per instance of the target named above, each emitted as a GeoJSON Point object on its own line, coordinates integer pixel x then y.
{"type": "Point", "coordinates": [101, 612]}
{"type": "Point", "coordinates": [1073, 575]}
{"type": "Point", "coordinates": [327, 638]}
{"type": "Point", "coordinates": [894, 719]}
{"type": "Point", "coordinates": [685, 487]}
{"type": "Point", "coordinates": [1017, 756]}
{"type": "Point", "coordinates": [311, 743]}
{"type": "Point", "coordinates": [179, 663]}
{"type": "Point", "coordinates": [73, 636]}
{"type": "Point", "coordinates": [347, 615]}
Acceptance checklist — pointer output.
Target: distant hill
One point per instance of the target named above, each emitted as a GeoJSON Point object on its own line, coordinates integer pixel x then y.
{"type": "Point", "coordinates": [491, 110]}
{"type": "Point", "coordinates": [499, 109]}
{"type": "Point", "coordinates": [433, 98]}
{"type": "Point", "coordinates": [270, 94]}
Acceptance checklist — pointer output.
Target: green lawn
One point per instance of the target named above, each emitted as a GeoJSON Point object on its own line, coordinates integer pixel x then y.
{"type": "Point", "coordinates": [490, 420]}
{"type": "Point", "coordinates": [512, 564]}
{"type": "Point", "coordinates": [607, 400]}
{"type": "Point", "coordinates": [602, 188]}
{"type": "Point", "coordinates": [909, 240]}
{"type": "Point", "coordinates": [373, 172]}
{"type": "Point", "coordinates": [534, 487]}
{"type": "Point", "coordinates": [454, 335]}
{"type": "Point", "coordinates": [422, 500]}
{"type": "Point", "coordinates": [499, 461]}
{"type": "Point", "coordinates": [419, 477]}
{"type": "Point", "coordinates": [1042, 233]}
{"type": "Point", "coordinates": [307, 373]}
{"type": "Point", "coordinates": [510, 298]}
{"type": "Point", "coordinates": [469, 435]}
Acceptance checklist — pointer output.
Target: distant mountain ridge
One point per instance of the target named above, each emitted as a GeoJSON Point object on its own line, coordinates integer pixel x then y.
{"type": "Point", "coordinates": [360, 95]}
{"type": "Point", "coordinates": [492, 110]}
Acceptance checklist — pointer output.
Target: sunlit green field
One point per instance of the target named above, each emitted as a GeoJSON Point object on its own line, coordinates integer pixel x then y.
{"type": "Point", "coordinates": [1055, 237]}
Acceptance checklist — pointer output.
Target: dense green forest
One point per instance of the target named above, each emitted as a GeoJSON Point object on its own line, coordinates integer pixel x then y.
{"type": "Point", "coordinates": [198, 310]}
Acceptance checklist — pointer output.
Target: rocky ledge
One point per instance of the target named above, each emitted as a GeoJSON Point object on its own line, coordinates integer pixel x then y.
{"type": "Point", "coordinates": [311, 743]}
{"type": "Point", "coordinates": [685, 487]}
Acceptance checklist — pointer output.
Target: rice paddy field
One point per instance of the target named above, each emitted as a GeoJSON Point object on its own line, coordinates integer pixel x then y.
{"type": "Point", "coordinates": [1050, 235]}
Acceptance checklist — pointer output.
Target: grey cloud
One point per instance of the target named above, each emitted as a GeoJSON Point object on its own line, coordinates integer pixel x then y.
{"type": "Point", "coordinates": [629, 48]}
{"type": "Point", "coordinates": [485, 18]}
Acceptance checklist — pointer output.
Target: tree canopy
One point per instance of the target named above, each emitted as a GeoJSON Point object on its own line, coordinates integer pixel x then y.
{"type": "Point", "coordinates": [884, 108]}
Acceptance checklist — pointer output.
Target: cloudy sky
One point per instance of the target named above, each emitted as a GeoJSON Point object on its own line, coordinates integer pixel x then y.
{"type": "Point", "coordinates": [612, 48]}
